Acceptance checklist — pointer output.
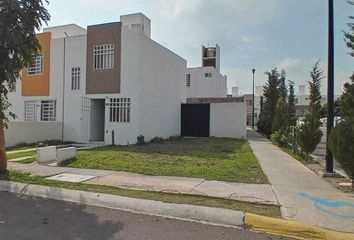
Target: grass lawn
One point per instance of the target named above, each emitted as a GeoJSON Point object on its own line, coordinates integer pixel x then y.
{"type": "Point", "coordinates": [21, 154]}
{"type": "Point", "coordinates": [210, 158]}
{"type": "Point", "coordinates": [21, 147]}
{"type": "Point", "coordinates": [266, 210]}
{"type": "Point", "coordinates": [27, 160]}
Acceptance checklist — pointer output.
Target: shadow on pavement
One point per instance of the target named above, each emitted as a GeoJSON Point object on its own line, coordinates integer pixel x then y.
{"type": "Point", "coordinates": [39, 218]}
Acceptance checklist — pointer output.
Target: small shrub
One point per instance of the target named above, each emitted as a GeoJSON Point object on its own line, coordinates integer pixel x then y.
{"type": "Point", "coordinates": [156, 140]}
{"type": "Point", "coordinates": [276, 137]}
{"type": "Point", "coordinates": [341, 143]}
{"type": "Point", "coordinates": [141, 140]}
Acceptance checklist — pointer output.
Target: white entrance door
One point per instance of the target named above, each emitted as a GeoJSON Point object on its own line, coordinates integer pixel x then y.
{"type": "Point", "coordinates": [85, 119]}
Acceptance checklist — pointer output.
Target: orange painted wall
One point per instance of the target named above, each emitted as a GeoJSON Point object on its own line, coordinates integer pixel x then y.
{"type": "Point", "coordinates": [38, 85]}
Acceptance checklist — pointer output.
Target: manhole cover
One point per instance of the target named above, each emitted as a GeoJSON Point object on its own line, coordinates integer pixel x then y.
{"type": "Point", "coordinates": [69, 177]}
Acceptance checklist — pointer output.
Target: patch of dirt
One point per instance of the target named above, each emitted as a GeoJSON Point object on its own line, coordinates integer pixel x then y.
{"type": "Point", "coordinates": [335, 181]}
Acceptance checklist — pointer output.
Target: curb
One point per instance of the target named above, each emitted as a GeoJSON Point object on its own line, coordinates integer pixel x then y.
{"type": "Point", "coordinates": [206, 215]}
{"type": "Point", "coordinates": [214, 216]}
{"type": "Point", "coordinates": [293, 229]}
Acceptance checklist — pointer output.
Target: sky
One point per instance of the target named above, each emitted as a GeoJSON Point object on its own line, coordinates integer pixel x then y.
{"type": "Point", "coordinates": [260, 34]}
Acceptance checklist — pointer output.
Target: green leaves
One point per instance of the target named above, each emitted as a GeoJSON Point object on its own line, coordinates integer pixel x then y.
{"type": "Point", "coordinates": [19, 19]}
{"type": "Point", "coordinates": [309, 132]}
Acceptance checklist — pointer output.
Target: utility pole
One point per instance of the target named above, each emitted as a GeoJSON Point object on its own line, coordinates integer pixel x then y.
{"type": "Point", "coordinates": [253, 71]}
{"type": "Point", "coordinates": [330, 85]}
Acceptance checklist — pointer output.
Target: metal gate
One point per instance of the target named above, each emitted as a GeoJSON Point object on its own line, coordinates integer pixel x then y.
{"type": "Point", "coordinates": [195, 120]}
{"type": "Point", "coordinates": [85, 118]}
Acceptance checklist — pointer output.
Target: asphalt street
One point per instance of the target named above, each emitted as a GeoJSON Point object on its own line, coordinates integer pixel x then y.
{"type": "Point", "coordinates": [25, 217]}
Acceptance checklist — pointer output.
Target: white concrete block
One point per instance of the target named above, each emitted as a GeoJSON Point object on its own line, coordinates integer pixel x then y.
{"type": "Point", "coordinates": [46, 154]}
{"type": "Point", "coordinates": [65, 154]}
{"type": "Point", "coordinates": [228, 120]}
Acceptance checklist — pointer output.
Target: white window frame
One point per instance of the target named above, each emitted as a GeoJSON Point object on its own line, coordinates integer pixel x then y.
{"type": "Point", "coordinates": [103, 56]}
{"type": "Point", "coordinates": [207, 74]}
{"type": "Point", "coordinates": [30, 111]}
{"type": "Point", "coordinates": [75, 78]}
{"type": "Point", "coordinates": [188, 80]}
{"type": "Point", "coordinates": [37, 66]}
{"type": "Point", "coordinates": [119, 110]}
{"type": "Point", "coordinates": [48, 110]}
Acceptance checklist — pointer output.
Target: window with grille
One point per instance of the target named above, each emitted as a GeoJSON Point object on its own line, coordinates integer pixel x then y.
{"type": "Point", "coordinates": [188, 80]}
{"type": "Point", "coordinates": [207, 74]}
{"type": "Point", "coordinates": [103, 56]}
{"type": "Point", "coordinates": [30, 111]}
{"type": "Point", "coordinates": [75, 78]}
{"type": "Point", "coordinates": [119, 109]}
{"type": "Point", "coordinates": [37, 67]}
{"type": "Point", "coordinates": [48, 110]}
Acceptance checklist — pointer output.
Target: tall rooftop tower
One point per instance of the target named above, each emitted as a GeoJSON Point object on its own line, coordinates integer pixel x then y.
{"type": "Point", "coordinates": [211, 57]}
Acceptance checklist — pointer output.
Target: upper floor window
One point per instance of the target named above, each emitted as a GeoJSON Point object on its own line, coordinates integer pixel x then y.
{"type": "Point", "coordinates": [75, 78]}
{"type": "Point", "coordinates": [208, 74]}
{"type": "Point", "coordinates": [188, 80]}
{"type": "Point", "coordinates": [103, 56]}
{"type": "Point", "coordinates": [37, 67]}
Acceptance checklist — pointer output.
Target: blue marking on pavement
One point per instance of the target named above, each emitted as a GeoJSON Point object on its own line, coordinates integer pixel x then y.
{"type": "Point", "coordinates": [322, 204]}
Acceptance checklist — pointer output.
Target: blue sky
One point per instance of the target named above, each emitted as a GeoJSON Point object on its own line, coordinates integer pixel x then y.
{"type": "Point", "coordinates": [261, 34]}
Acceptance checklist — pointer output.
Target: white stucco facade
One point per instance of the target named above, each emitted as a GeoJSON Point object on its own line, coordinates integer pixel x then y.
{"type": "Point", "coordinates": [228, 120]}
{"type": "Point", "coordinates": [205, 82]}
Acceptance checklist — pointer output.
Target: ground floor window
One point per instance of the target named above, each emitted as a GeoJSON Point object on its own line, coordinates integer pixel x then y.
{"type": "Point", "coordinates": [47, 111]}
{"type": "Point", "coordinates": [30, 111]}
{"type": "Point", "coordinates": [119, 109]}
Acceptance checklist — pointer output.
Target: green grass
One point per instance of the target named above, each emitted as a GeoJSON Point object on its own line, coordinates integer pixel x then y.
{"type": "Point", "coordinates": [298, 156]}
{"type": "Point", "coordinates": [22, 146]}
{"type": "Point", "coordinates": [261, 209]}
{"type": "Point", "coordinates": [21, 154]}
{"type": "Point", "coordinates": [27, 160]}
{"type": "Point", "coordinates": [210, 158]}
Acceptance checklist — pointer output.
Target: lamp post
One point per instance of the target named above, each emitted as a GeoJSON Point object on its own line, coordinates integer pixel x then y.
{"type": "Point", "coordinates": [330, 86]}
{"type": "Point", "coordinates": [253, 71]}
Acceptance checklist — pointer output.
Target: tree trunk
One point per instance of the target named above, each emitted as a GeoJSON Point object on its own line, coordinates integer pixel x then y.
{"type": "Point", "coordinates": [353, 184]}
{"type": "Point", "coordinates": [3, 159]}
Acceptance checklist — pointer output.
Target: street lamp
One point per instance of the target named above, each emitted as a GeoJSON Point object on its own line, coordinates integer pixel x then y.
{"type": "Point", "coordinates": [253, 71]}
{"type": "Point", "coordinates": [330, 86]}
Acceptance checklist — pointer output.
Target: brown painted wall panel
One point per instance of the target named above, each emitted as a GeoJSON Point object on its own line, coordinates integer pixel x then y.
{"type": "Point", "coordinates": [102, 81]}
{"type": "Point", "coordinates": [38, 85]}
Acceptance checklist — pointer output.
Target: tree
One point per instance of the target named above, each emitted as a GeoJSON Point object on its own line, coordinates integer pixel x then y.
{"type": "Point", "coordinates": [309, 132]}
{"type": "Point", "coordinates": [341, 140]}
{"type": "Point", "coordinates": [271, 96]}
{"type": "Point", "coordinates": [291, 105]}
{"type": "Point", "coordinates": [19, 19]}
{"type": "Point", "coordinates": [280, 120]}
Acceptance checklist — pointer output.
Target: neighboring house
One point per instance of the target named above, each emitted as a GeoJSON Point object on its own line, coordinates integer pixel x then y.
{"type": "Point", "coordinates": [116, 83]}
{"type": "Point", "coordinates": [302, 103]}
{"type": "Point", "coordinates": [207, 81]}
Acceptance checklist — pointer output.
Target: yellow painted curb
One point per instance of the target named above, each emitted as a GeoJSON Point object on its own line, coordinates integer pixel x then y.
{"type": "Point", "coordinates": [292, 229]}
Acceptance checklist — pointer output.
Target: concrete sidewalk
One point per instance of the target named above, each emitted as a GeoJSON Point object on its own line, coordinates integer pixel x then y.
{"type": "Point", "coordinates": [303, 195]}
{"type": "Point", "coordinates": [255, 193]}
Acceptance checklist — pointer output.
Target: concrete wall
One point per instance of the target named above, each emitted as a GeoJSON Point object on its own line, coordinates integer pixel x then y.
{"type": "Point", "coordinates": [75, 57]}
{"type": "Point", "coordinates": [201, 86]}
{"type": "Point", "coordinates": [161, 90]}
{"type": "Point", "coordinates": [30, 132]}
{"type": "Point", "coordinates": [154, 79]}
{"type": "Point", "coordinates": [228, 120]}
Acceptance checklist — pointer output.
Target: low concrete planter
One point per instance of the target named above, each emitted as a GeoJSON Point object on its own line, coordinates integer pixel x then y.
{"type": "Point", "coordinates": [65, 154]}
{"type": "Point", "coordinates": [46, 154]}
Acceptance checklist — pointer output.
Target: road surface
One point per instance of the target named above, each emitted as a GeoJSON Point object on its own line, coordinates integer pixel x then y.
{"type": "Point", "coordinates": [25, 217]}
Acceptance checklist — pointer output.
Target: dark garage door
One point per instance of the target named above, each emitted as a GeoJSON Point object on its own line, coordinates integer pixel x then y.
{"type": "Point", "coordinates": [195, 120]}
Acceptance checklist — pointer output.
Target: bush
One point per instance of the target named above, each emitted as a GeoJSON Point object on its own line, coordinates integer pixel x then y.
{"type": "Point", "coordinates": [276, 137]}
{"type": "Point", "coordinates": [141, 140]}
{"type": "Point", "coordinates": [341, 143]}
